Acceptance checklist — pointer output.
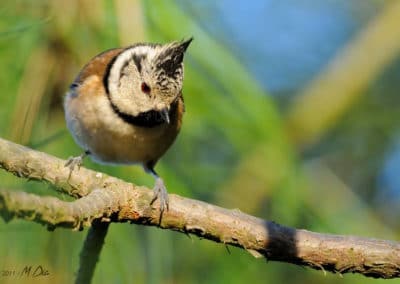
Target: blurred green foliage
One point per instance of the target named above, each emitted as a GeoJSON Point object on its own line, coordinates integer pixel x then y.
{"type": "Point", "coordinates": [234, 150]}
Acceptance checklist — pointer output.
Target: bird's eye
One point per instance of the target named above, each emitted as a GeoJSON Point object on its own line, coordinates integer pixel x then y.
{"type": "Point", "coordinates": [145, 88]}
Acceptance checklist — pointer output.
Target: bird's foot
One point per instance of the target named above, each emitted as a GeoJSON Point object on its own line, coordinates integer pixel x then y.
{"type": "Point", "coordinates": [73, 162]}
{"type": "Point", "coordinates": [160, 193]}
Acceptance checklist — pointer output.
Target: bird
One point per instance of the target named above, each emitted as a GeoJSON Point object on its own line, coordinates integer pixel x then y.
{"type": "Point", "coordinates": [126, 106]}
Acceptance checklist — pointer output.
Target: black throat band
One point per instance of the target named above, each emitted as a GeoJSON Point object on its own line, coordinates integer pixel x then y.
{"type": "Point", "coordinates": [146, 119]}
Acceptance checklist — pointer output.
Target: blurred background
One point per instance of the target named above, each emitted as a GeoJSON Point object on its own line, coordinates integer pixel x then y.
{"type": "Point", "coordinates": [292, 111]}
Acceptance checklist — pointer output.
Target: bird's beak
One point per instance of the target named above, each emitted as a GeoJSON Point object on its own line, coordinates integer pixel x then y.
{"type": "Point", "coordinates": [165, 115]}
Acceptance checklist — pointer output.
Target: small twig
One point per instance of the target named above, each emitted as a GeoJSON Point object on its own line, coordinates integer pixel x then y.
{"type": "Point", "coordinates": [91, 251]}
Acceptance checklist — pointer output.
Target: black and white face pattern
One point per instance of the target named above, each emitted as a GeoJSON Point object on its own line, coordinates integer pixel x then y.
{"type": "Point", "coordinates": [146, 77]}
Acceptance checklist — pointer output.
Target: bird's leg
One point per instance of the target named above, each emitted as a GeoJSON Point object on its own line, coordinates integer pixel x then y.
{"type": "Point", "coordinates": [159, 190]}
{"type": "Point", "coordinates": [73, 162]}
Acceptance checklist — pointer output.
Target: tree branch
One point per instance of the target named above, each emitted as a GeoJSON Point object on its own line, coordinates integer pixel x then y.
{"type": "Point", "coordinates": [111, 199]}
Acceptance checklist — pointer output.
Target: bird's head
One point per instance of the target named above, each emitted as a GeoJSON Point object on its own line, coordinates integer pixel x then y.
{"type": "Point", "coordinates": [147, 78]}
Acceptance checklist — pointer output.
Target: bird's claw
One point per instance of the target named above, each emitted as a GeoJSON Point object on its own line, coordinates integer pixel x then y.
{"type": "Point", "coordinates": [73, 162]}
{"type": "Point", "coordinates": [160, 193]}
